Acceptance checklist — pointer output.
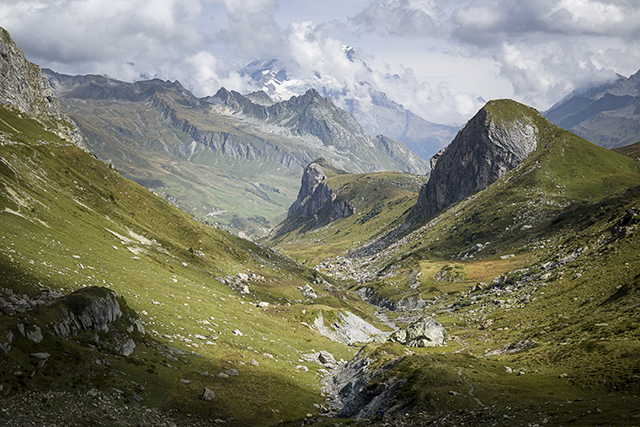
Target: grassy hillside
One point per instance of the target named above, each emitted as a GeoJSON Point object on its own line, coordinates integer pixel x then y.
{"type": "Point", "coordinates": [381, 202]}
{"type": "Point", "coordinates": [537, 273]}
{"type": "Point", "coordinates": [70, 221]}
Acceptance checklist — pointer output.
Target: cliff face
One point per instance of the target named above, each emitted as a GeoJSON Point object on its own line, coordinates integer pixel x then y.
{"type": "Point", "coordinates": [25, 88]}
{"type": "Point", "coordinates": [494, 141]}
{"type": "Point", "coordinates": [315, 195]}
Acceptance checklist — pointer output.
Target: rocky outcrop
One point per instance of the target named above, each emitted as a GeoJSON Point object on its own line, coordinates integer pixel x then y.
{"type": "Point", "coordinates": [496, 140]}
{"type": "Point", "coordinates": [26, 89]}
{"type": "Point", "coordinates": [317, 203]}
{"type": "Point", "coordinates": [423, 333]}
{"type": "Point", "coordinates": [91, 308]}
{"type": "Point", "coordinates": [349, 329]}
{"type": "Point", "coordinates": [356, 390]}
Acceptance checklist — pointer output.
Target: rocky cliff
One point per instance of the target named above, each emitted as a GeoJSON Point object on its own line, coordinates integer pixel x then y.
{"type": "Point", "coordinates": [493, 142]}
{"type": "Point", "coordinates": [26, 89]}
{"type": "Point", "coordinates": [316, 195]}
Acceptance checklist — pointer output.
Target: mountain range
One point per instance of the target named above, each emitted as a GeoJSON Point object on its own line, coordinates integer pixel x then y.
{"type": "Point", "coordinates": [372, 109]}
{"type": "Point", "coordinates": [504, 294]}
{"type": "Point", "coordinates": [225, 159]}
{"type": "Point", "coordinates": [607, 114]}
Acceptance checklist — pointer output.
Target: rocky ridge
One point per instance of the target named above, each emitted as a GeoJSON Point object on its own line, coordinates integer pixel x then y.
{"type": "Point", "coordinates": [25, 88]}
{"type": "Point", "coordinates": [486, 149]}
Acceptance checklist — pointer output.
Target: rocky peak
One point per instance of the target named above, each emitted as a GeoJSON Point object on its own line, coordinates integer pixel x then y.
{"type": "Point", "coordinates": [25, 88]}
{"type": "Point", "coordinates": [314, 192]}
{"type": "Point", "coordinates": [494, 141]}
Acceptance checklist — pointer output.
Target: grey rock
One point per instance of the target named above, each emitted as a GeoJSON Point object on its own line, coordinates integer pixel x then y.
{"type": "Point", "coordinates": [483, 151]}
{"type": "Point", "coordinates": [231, 372]}
{"type": "Point", "coordinates": [253, 362]}
{"type": "Point", "coordinates": [32, 332]}
{"type": "Point", "coordinates": [423, 333]}
{"type": "Point", "coordinates": [222, 375]}
{"type": "Point", "coordinates": [41, 356]}
{"type": "Point", "coordinates": [126, 348]}
{"type": "Point", "coordinates": [183, 381]}
{"type": "Point", "coordinates": [25, 88]}
{"type": "Point", "coordinates": [207, 394]}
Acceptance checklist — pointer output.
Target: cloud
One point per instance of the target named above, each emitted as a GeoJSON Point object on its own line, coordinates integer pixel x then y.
{"type": "Point", "coordinates": [252, 27]}
{"type": "Point", "coordinates": [398, 17]}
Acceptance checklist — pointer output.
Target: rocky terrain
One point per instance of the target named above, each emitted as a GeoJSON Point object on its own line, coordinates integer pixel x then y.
{"type": "Point", "coordinates": [488, 147]}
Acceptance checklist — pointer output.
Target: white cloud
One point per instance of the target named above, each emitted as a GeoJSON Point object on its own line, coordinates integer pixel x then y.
{"type": "Point", "coordinates": [433, 56]}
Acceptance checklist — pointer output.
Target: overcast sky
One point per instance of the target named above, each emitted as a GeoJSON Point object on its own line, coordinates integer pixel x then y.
{"type": "Point", "coordinates": [436, 57]}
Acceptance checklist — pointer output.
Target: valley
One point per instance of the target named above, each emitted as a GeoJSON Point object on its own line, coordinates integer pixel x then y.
{"type": "Point", "coordinates": [501, 288]}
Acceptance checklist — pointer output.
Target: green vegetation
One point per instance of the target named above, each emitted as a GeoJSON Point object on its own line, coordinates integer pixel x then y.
{"type": "Point", "coordinates": [69, 221]}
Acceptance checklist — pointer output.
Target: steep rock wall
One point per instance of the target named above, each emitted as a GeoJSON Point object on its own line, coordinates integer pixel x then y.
{"type": "Point", "coordinates": [487, 148]}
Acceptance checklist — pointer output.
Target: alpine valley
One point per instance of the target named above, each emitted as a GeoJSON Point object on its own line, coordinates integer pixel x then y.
{"type": "Point", "coordinates": [498, 285]}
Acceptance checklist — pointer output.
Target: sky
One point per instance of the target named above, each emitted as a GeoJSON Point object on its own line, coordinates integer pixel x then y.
{"type": "Point", "coordinates": [439, 58]}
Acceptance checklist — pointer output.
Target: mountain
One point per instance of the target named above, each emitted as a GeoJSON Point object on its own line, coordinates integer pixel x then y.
{"type": "Point", "coordinates": [336, 211]}
{"type": "Point", "coordinates": [497, 139]}
{"type": "Point", "coordinates": [607, 115]}
{"type": "Point", "coordinates": [118, 308]}
{"type": "Point", "coordinates": [533, 275]}
{"type": "Point", "coordinates": [373, 109]}
{"type": "Point", "coordinates": [321, 124]}
{"type": "Point", "coordinates": [222, 165]}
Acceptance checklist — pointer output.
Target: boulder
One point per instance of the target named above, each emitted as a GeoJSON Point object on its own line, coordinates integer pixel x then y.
{"type": "Point", "coordinates": [423, 333]}
{"type": "Point", "coordinates": [207, 394]}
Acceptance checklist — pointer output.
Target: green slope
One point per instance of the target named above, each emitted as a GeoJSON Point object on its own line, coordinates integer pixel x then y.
{"type": "Point", "coordinates": [381, 200]}
{"type": "Point", "coordinates": [70, 221]}
{"type": "Point", "coordinates": [554, 246]}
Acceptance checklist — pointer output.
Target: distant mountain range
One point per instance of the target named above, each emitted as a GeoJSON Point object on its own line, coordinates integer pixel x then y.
{"type": "Point", "coordinates": [372, 109]}
{"type": "Point", "coordinates": [607, 115]}
{"type": "Point", "coordinates": [228, 158]}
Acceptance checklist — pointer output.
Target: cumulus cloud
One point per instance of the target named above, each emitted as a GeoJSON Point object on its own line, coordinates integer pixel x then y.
{"type": "Point", "coordinates": [532, 50]}
{"type": "Point", "coordinates": [398, 17]}
{"type": "Point", "coordinates": [544, 48]}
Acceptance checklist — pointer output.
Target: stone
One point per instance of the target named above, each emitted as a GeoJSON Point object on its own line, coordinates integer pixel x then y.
{"type": "Point", "coordinates": [41, 356]}
{"type": "Point", "coordinates": [262, 304]}
{"type": "Point", "coordinates": [232, 372]}
{"type": "Point", "coordinates": [183, 381]}
{"type": "Point", "coordinates": [126, 348]}
{"type": "Point", "coordinates": [222, 375]}
{"type": "Point", "coordinates": [423, 333]}
{"type": "Point", "coordinates": [237, 332]}
{"type": "Point", "coordinates": [253, 362]}
{"type": "Point", "coordinates": [207, 394]}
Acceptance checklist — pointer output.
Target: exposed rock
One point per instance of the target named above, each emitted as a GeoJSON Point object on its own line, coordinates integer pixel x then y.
{"type": "Point", "coordinates": [348, 329]}
{"type": "Point", "coordinates": [183, 381]}
{"type": "Point", "coordinates": [41, 356]}
{"type": "Point", "coordinates": [512, 348]}
{"type": "Point", "coordinates": [494, 141]}
{"type": "Point", "coordinates": [126, 347]}
{"type": "Point", "coordinates": [253, 362]}
{"type": "Point", "coordinates": [32, 332]}
{"type": "Point", "coordinates": [207, 394]}
{"type": "Point", "coordinates": [25, 88]}
{"type": "Point", "coordinates": [316, 195]}
{"type": "Point", "coordinates": [88, 308]}
{"type": "Point", "coordinates": [231, 372]}
{"type": "Point", "coordinates": [222, 375]}
{"type": "Point", "coordinates": [308, 292]}
{"type": "Point", "coordinates": [322, 358]}
{"type": "Point", "coordinates": [350, 392]}
{"type": "Point", "coordinates": [423, 333]}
